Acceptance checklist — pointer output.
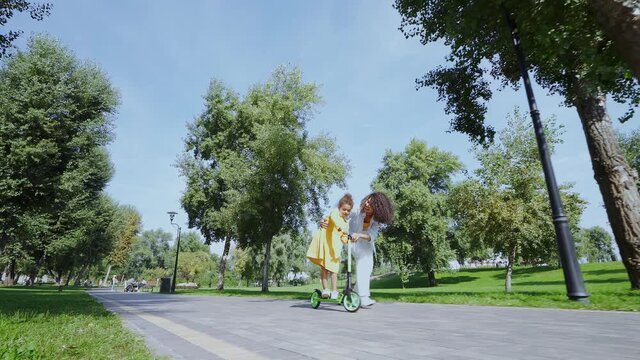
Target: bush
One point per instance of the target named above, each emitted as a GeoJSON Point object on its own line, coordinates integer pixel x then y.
{"type": "Point", "coordinates": [296, 282]}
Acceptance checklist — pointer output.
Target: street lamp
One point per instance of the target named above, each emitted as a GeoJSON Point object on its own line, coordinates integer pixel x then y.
{"type": "Point", "coordinates": [568, 259]}
{"type": "Point", "coordinates": [172, 214]}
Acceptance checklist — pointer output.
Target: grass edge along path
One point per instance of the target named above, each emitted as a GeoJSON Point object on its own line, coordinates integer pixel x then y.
{"type": "Point", "coordinates": [541, 287]}
{"type": "Point", "coordinates": [42, 323]}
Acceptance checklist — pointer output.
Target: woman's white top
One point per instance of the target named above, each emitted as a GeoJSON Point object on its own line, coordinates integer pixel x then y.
{"type": "Point", "coordinates": [363, 247]}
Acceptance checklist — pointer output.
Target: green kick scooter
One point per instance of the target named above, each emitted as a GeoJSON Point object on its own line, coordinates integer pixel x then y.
{"type": "Point", "coordinates": [348, 298]}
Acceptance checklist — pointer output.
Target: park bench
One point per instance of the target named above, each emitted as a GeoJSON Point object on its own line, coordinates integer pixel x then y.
{"type": "Point", "coordinates": [151, 284]}
{"type": "Point", "coordinates": [187, 286]}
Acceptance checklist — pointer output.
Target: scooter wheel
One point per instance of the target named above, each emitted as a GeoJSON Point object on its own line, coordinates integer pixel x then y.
{"type": "Point", "coordinates": [351, 302]}
{"type": "Point", "coordinates": [315, 298]}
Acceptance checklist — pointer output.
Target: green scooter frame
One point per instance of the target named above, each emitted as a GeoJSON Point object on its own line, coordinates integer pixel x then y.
{"type": "Point", "coordinates": [348, 298]}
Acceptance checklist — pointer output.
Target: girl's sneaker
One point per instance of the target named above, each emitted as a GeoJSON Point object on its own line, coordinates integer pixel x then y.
{"type": "Point", "coordinates": [334, 295]}
{"type": "Point", "coordinates": [325, 293]}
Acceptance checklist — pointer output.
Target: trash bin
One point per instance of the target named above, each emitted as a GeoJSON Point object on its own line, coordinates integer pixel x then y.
{"type": "Point", "coordinates": [165, 285]}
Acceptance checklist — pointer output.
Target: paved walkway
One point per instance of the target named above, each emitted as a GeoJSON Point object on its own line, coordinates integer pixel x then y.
{"type": "Point", "coordinates": [216, 327]}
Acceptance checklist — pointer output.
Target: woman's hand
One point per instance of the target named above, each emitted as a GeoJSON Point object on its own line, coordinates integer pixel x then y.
{"type": "Point", "coordinates": [324, 223]}
{"type": "Point", "coordinates": [355, 237]}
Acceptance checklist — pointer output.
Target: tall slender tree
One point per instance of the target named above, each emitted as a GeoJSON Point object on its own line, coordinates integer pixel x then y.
{"type": "Point", "coordinates": [252, 170]}
{"type": "Point", "coordinates": [55, 121]}
{"type": "Point", "coordinates": [505, 207]}
{"type": "Point", "coordinates": [418, 179]}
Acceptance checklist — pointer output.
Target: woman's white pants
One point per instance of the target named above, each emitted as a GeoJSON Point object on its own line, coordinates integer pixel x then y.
{"type": "Point", "coordinates": [364, 268]}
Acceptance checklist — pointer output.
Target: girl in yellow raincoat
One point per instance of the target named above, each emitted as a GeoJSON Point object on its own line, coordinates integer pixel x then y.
{"type": "Point", "coordinates": [326, 246]}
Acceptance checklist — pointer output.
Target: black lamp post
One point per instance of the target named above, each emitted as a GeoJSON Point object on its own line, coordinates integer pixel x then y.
{"type": "Point", "coordinates": [172, 214]}
{"type": "Point", "coordinates": [572, 275]}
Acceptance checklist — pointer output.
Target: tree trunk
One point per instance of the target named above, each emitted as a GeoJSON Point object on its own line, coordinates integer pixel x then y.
{"type": "Point", "coordinates": [510, 260]}
{"type": "Point", "coordinates": [36, 268]}
{"type": "Point", "coordinates": [4, 274]}
{"type": "Point", "coordinates": [223, 263]}
{"type": "Point", "coordinates": [107, 276]}
{"type": "Point", "coordinates": [432, 279]}
{"type": "Point", "coordinates": [616, 179]}
{"type": "Point", "coordinates": [620, 21]}
{"type": "Point", "coordinates": [80, 276]}
{"type": "Point", "coordinates": [265, 268]}
{"type": "Point", "coordinates": [69, 276]}
{"type": "Point", "coordinates": [10, 279]}
{"type": "Point", "coordinates": [32, 278]}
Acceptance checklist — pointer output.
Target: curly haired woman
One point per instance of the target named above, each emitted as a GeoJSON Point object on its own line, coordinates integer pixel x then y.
{"type": "Point", "coordinates": [375, 210]}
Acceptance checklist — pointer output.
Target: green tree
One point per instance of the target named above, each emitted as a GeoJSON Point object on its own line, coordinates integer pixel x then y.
{"type": "Point", "coordinates": [81, 216]}
{"type": "Point", "coordinates": [81, 238]}
{"type": "Point", "coordinates": [126, 227]}
{"type": "Point", "coordinates": [297, 251]}
{"type": "Point", "coordinates": [210, 198]}
{"type": "Point", "coordinates": [139, 259]}
{"type": "Point", "coordinates": [506, 208]}
{"type": "Point", "coordinates": [147, 255]}
{"type": "Point", "coordinates": [568, 54]}
{"type": "Point", "coordinates": [399, 254]}
{"type": "Point", "coordinates": [620, 21]}
{"type": "Point", "coordinates": [245, 264]}
{"type": "Point", "coordinates": [288, 254]}
{"type": "Point", "coordinates": [192, 242]}
{"type": "Point", "coordinates": [194, 264]}
{"type": "Point", "coordinates": [279, 261]}
{"type": "Point", "coordinates": [262, 172]}
{"type": "Point", "coordinates": [8, 8]}
{"type": "Point", "coordinates": [418, 180]}
{"type": "Point", "coordinates": [55, 121]}
{"type": "Point", "coordinates": [157, 241]}
{"type": "Point", "coordinates": [630, 144]}
{"type": "Point", "coordinates": [596, 245]}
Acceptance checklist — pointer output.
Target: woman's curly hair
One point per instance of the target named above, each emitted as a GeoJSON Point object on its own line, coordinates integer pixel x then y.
{"type": "Point", "coordinates": [383, 209]}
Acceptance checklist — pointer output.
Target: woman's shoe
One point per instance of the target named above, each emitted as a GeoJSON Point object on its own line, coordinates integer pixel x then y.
{"type": "Point", "coordinates": [366, 301]}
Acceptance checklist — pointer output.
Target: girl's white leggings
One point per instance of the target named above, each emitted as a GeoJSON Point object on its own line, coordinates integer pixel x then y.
{"type": "Point", "coordinates": [364, 268]}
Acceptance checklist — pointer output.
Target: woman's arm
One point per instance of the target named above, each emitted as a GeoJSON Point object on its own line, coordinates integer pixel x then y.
{"type": "Point", "coordinates": [370, 235]}
{"type": "Point", "coordinates": [359, 236]}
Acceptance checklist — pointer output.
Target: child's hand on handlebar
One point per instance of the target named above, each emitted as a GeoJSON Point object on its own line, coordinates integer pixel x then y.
{"type": "Point", "coordinates": [355, 237]}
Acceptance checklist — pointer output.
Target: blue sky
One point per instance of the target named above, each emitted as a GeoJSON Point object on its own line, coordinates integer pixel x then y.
{"type": "Point", "coordinates": [161, 57]}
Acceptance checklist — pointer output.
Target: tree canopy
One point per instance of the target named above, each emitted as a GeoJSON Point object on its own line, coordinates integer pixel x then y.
{"type": "Point", "coordinates": [55, 122]}
{"type": "Point", "coordinates": [505, 207]}
{"type": "Point", "coordinates": [252, 170]}
{"type": "Point", "coordinates": [418, 180]}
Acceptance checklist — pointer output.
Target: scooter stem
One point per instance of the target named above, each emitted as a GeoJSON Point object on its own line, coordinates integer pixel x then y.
{"type": "Point", "coordinates": [349, 264]}
{"type": "Point", "coordinates": [349, 254]}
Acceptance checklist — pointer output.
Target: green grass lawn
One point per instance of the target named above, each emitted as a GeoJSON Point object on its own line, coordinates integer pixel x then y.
{"type": "Point", "coordinates": [42, 323]}
{"type": "Point", "coordinates": [607, 285]}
